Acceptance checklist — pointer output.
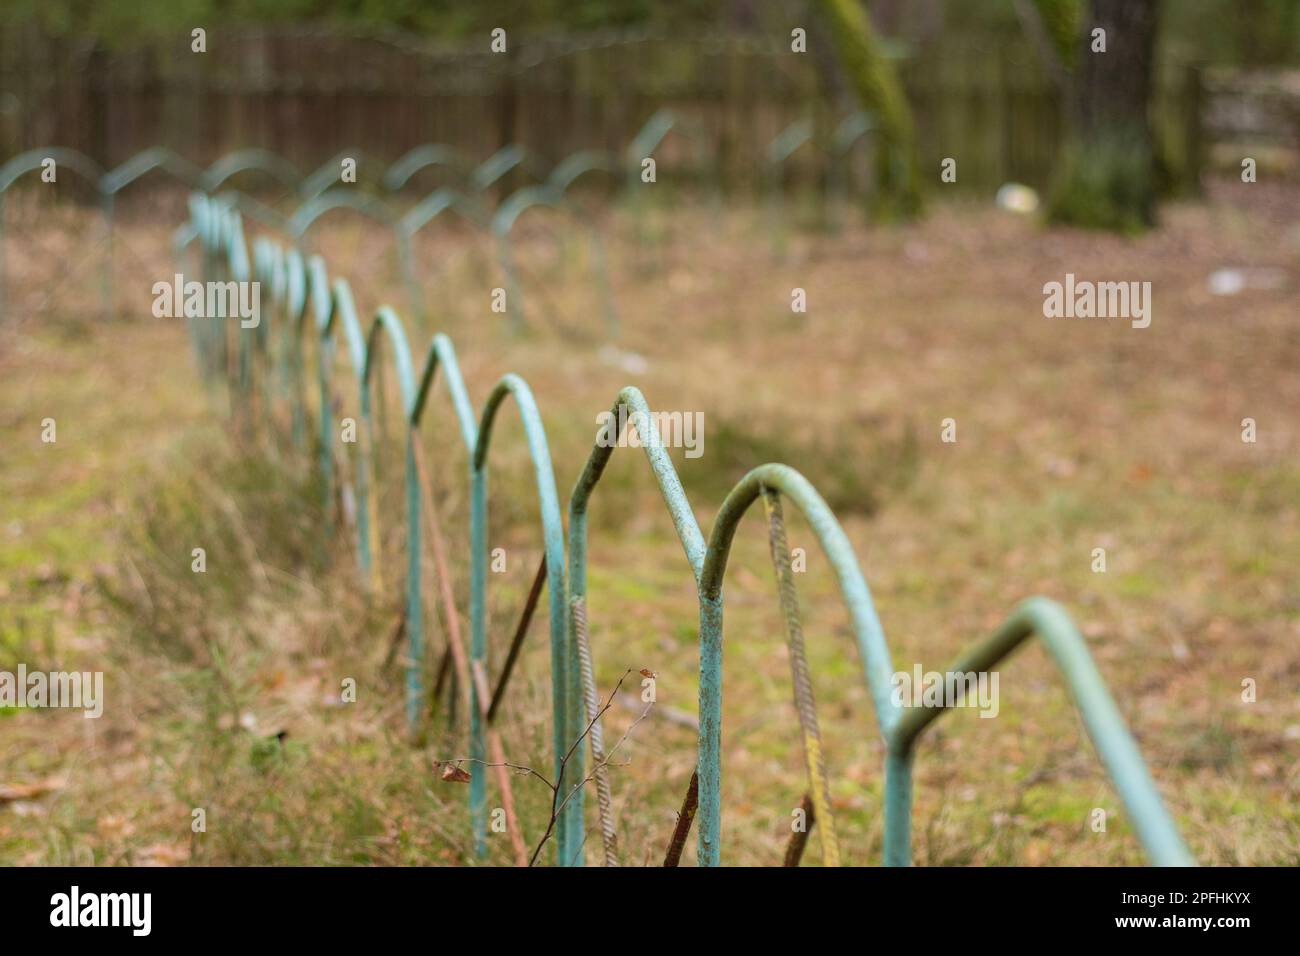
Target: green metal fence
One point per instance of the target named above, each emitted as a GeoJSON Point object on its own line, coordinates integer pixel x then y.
{"type": "Point", "coordinates": [320, 192]}
{"type": "Point", "coordinates": [300, 287]}
{"type": "Point", "coordinates": [266, 365]}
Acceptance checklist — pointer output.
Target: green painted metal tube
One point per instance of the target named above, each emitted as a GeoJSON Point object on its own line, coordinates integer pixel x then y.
{"type": "Point", "coordinates": [322, 305]}
{"type": "Point", "coordinates": [414, 602]}
{"type": "Point", "coordinates": [332, 308]}
{"type": "Point", "coordinates": [443, 353]}
{"type": "Point", "coordinates": [1115, 745]}
{"type": "Point", "coordinates": [344, 313]}
{"type": "Point", "coordinates": [240, 271]}
{"type": "Point", "coordinates": [630, 405]}
{"type": "Point", "coordinates": [143, 163]}
{"type": "Point", "coordinates": [32, 159]}
{"type": "Point", "coordinates": [902, 725]}
{"type": "Point", "coordinates": [478, 567]}
{"type": "Point", "coordinates": [340, 198]}
{"type": "Point", "coordinates": [182, 241]}
{"type": "Point", "coordinates": [898, 807]}
{"type": "Point", "coordinates": [270, 269]}
{"type": "Point", "coordinates": [295, 309]}
{"type": "Point", "coordinates": [418, 158]}
{"type": "Point", "coordinates": [261, 160]}
{"type": "Point", "coordinates": [330, 172]}
{"type": "Point", "coordinates": [387, 323]}
{"type": "Point", "coordinates": [670, 486]}
{"type": "Point", "coordinates": [866, 626]}
{"type": "Point", "coordinates": [565, 688]}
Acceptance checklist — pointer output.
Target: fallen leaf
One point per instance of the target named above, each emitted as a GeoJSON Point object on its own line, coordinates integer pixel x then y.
{"type": "Point", "coordinates": [30, 791]}
{"type": "Point", "coordinates": [114, 826]}
{"type": "Point", "coordinates": [453, 774]}
{"type": "Point", "coordinates": [163, 854]}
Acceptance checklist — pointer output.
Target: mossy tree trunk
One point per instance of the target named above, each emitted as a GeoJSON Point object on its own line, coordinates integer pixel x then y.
{"type": "Point", "coordinates": [1107, 175]}
{"type": "Point", "coordinates": [874, 80]}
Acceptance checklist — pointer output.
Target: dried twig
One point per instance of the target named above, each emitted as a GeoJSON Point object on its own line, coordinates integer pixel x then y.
{"type": "Point", "coordinates": [558, 803]}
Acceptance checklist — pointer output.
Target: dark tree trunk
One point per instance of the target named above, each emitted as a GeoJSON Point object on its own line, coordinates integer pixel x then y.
{"type": "Point", "coordinates": [1115, 87]}
{"type": "Point", "coordinates": [1108, 176]}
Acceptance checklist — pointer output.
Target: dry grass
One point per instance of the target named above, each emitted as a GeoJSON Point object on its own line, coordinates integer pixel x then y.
{"type": "Point", "coordinates": [1071, 436]}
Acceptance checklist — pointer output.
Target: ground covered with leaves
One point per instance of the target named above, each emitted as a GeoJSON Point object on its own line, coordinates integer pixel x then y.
{"type": "Point", "coordinates": [223, 688]}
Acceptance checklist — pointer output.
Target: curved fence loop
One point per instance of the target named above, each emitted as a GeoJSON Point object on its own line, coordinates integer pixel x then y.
{"type": "Point", "coordinates": [631, 408]}
{"type": "Point", "coordinates": [866, 626]}
{"type": "Point", "coordinates": [477, 178]}
{"type": "Point", "coordinates": [650, 137]}
{"type": "Point", "coordinates": [318, 197]}
{"type": "Point", "coordinates": [436, 203]}
{"type": "Point", "coordinates": [442, 353]}
{"type": "Point", "coordinates": [88, 170]}
{"type": "Point", "coordinates": [487, 173]}
{"type": "Point", "coordinates": [254, 209]}
{"type": "Point", "coordinates": [519, 202]}
{"type": "Point", "coordinates": [245, 160]}
{"type": "Point", "coordinates": [421, 157]}
{"type": "Point", "coordinates": [580, 164]}
{"type": "Point", "coordinates": [630, 411]}
{"type": "Point", "coordinates": [421, 215]}
{"type": "Point", "coordinates": [386, 325]}
{"type": "Point", "coordinates": [268, 271]}
{"type": "Point", "coordinates": [331, 171]}
{"type": "Point", "coordinates": [651, 134]}
{"type": "Point", "coordinates": [472, 674]}
{"type": "Point", "coordinates": [34, 159]}
{"type": "Point", "coordinates": [901, 725]}
{"type": "Point", "coordinates": [503, 222]}
{"type": "Point", "coordinates": [315, 208]}
{"type": "Point", "coordinates": [343, 312]}
{"type": "Point", "coordinates": [784, 145]}
{"type": "Point", "coordinates": [386, 320]}
{"type": "Point", "coordinates": [787, 143]}
{"type": "Point", "coordinates": [1101, 718]}
{"type": "Point", "coordinates": [565, 698]}
{"type": "Point", "coordinates": [851, 129]}
{"type": "Point", "coordinates": [140, 165]}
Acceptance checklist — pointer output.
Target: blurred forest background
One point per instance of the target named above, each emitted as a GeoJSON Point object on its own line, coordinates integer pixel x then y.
{"type": "Point", "coordinates": [994, 77]}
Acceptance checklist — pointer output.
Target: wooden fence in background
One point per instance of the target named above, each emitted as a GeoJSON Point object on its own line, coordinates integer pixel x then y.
{"type": "Point", "coordinates": [308, 93]}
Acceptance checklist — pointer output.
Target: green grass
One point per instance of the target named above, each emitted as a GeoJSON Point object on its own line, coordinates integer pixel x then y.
{"type": "Point", "coordinates": [206, 672]}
